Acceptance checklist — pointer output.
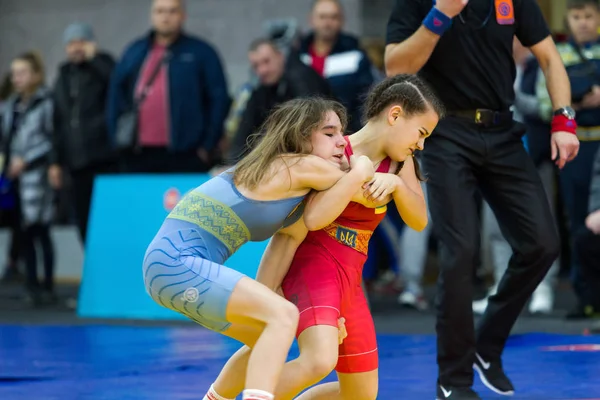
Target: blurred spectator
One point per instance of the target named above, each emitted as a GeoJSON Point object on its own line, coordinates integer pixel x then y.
{"type": "Point", "coordinates": [81, 143]}
{"type": "Point", "coordinates": [375, 50]}
{"type": "Point", "coordinates": [581, 56]}
{"type": "Point", "coordinates": [10, 207]}
{"type": "Point", "coordinates": [337, 57]}
{"type": "Point", "coordinates": [284, 34]}
{"type": "Point", "coordinates": [236, 113]}
{"type": "Point", "coordinates": [278, 82]}
{"type": "Point", "coordinates": [181, 119]}
{"type": "Point", "coordinates": [414, 246]}
{"type": "Point", "coordinates": [527, 110]}
{"type": "Point", "coordinates": [587, 247]}
{"type": "Point", "coordinates": [27, 127]}
{"type": "Point", "coordinates": [6, 88]}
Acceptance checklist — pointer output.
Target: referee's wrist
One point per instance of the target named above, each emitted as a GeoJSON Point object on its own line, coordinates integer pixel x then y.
{"type": "Point", "coordinates": [437, 22]}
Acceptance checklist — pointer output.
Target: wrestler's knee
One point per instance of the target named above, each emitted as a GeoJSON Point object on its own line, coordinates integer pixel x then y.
{"type": "Point", "coordinates": [321, 365]}
{"type": "Point", "coordinates": [319, 350]}
{"type": "Point", "coordinates": [285, 316]}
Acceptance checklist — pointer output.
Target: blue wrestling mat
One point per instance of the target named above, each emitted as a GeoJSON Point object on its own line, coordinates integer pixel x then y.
{"type": "Point", "coordinates": [138, 363]}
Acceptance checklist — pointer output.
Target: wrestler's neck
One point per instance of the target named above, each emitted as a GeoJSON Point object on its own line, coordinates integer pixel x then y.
{"type": "Point", "coordinates": [369, 142]}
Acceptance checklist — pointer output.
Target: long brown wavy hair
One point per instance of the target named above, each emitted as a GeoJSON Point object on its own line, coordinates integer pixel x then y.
{"type": "Point", "coordinates": [287, 130]}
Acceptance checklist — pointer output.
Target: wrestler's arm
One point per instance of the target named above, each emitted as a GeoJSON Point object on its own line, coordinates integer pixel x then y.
{"type": "Point", "coordinates": [279, 254]}
{"type": "Point", "coordinates": [359, 197]}
{"type": "Point", "coordinates": [322, 208]}
{"type": "Point", "coordinates": [319, 200]}
{"type": "Point", "coordinates": [409, 197]}
{"type": "Point", "coordinates": [312, 172]}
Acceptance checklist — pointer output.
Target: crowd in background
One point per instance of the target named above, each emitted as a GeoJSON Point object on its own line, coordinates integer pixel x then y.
{"type": "Point", "coordinates": [164, 106]}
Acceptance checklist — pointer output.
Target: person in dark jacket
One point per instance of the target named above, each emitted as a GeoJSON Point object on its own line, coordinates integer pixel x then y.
{"type": "Point", "coordinates": [581, 57]}
{"type": "Point", "coordinates": [81, 144]}
{"type": "Point", "coordinates": [10, 213]}
{"type": "Point", "coordinates": [587, 247]}
{"type": "Point", "coordinates": [181, 118]}
{"type": "Point", "coordinates": [338, 57]}
{"type": "Point", "coordinates": [280, 79]}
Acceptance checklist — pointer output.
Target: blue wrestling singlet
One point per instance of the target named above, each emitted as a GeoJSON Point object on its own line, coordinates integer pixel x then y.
{"type": "Point", "coordinates": [183, 266]}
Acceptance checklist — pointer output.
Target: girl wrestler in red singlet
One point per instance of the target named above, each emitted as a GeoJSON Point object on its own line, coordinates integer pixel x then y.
{"type": "Point", "coordinates": [324, 279]}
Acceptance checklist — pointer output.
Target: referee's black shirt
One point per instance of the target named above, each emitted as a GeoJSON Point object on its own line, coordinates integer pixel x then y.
{"type": "Point", "coordinates": [472, 65]}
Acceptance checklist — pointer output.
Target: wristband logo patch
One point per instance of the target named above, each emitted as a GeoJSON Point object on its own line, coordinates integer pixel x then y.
{"type": "Point", "coordinates": [560, 123]}
{"type": "Point", "coordinates": [437, 22]}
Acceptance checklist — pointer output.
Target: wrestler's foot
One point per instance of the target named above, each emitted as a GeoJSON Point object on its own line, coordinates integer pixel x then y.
{"type": "Point", "coordinates": [456, 393]}
{"type": "Point", "coordinates": [492, 375]}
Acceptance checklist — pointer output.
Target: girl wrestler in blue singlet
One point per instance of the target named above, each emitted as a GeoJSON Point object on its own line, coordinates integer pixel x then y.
{"type": "Point", "coordinates": [302, 149]}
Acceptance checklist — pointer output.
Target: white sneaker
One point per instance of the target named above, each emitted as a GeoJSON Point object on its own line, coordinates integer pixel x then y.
{"type": "Point", "coordinates": [542, 300]}
{"type": "Point", "coordinates": [409, 299]}
{"type": "Point", "coordinates": [479, 306]}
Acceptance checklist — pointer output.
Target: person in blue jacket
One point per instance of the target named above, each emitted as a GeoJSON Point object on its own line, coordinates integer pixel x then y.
{"type": "Point", "coordinates": [185, 97]}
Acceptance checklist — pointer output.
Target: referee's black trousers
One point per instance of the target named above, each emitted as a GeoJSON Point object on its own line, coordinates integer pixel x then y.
{"type": "Point", "coordinates": [459, 159]}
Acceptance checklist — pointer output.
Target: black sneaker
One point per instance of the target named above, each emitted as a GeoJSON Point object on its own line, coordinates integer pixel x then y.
{"type": "Point", "coordinates": [582, 311]}
{"type": "Point", "coordinates": [492, 375]}
{"type": "Point", "coordinates": [48, 297]}
{"type": "Point", "coordinates": [12, 275]}
{"type": "Point", "coordinates": [33, 299]}
{"type": "Point", "coordinates": [456, 393]}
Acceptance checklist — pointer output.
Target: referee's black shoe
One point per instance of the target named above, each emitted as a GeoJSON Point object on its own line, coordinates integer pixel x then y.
{"type": "Point", "coordinates": [492, 375]}
{"type": "Point", "coordinates": [456, 393]}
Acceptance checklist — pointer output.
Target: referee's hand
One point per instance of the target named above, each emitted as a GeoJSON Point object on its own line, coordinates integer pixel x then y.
{"type": "Point", "coordinates": [451, 8]}
{"type": "Point", "coordinates": [564, 146]}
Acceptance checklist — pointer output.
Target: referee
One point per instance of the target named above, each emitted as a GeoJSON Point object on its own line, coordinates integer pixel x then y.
{"type": "Point", "coordinates": [464, 50]}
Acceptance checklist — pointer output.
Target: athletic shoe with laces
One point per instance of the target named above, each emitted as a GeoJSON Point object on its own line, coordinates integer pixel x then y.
{"type": "Point", "coordinates": [456, 393]}
{"type": "Point", "coordinates": [492, 375]}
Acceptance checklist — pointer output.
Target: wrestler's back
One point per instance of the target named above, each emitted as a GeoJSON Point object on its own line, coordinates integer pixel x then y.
{"type": "Point", "coordinates": [226, 219]}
